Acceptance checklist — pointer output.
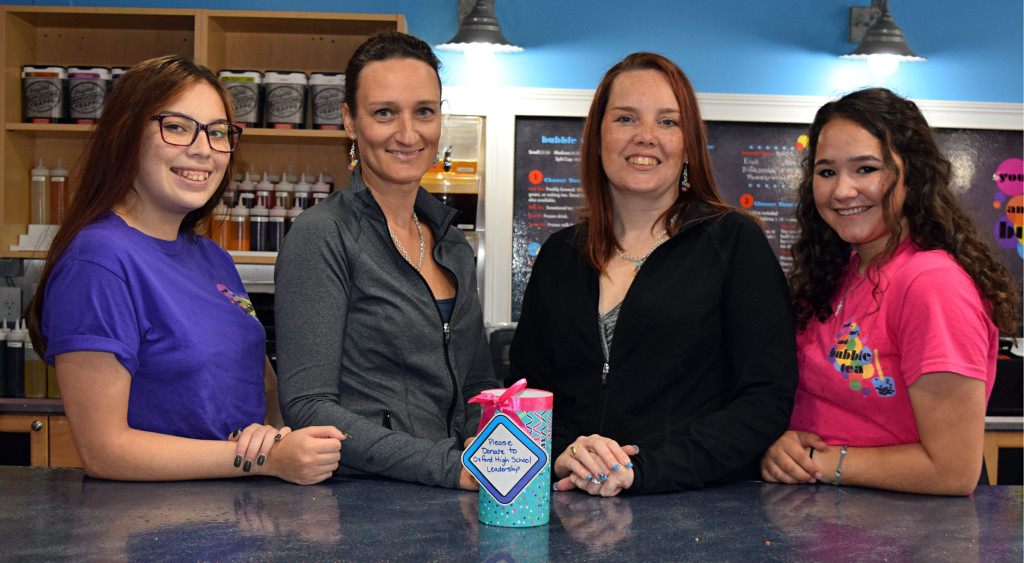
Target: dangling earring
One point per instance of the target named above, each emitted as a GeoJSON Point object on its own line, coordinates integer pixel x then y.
{"type": "Point", "coordinates": [437, 157]}
{"type": "Point", "coordinates": [352, 160]}
{"type": "Point", "coordinates": [684, 182]}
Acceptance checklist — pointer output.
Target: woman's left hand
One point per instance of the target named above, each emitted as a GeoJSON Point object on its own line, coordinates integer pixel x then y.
{"type": "Point", "coordinates": [254, 444]}
{"type": "Point", "coordinates": [595, 464]}
{"type": "Point", "coordinates": [789, 459]}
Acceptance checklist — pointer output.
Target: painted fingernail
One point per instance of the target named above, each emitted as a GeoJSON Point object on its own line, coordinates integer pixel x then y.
{"type": "Point", "coordinates": [236, 433]}
{"type": "Point", "coordinates": [636, 448]}
{"type": "Point", "coordinates": [615, 467]}
{"type": "Point", "coordinates": [260, 459]}
{"type": "Point", "coordinates": [590, 477]}
{"type": "Point", "coordinates": [602, 476]}
{"type": "Point", "coordinates": [247, 466]}
{"type": "Point", "coordinates": [629, 465]}
{"type": "Point", "coordinates": [277, 438]}
{"type": "Point", "coordinates": [238, 460]}
{"type": "Point", "coordinates": [554, 486]}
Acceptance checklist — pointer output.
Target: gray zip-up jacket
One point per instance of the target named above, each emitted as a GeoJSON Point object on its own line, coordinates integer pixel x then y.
{"type": "Point", "coordinates": [362, 346]}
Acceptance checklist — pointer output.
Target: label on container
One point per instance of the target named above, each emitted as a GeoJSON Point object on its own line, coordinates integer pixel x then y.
{"type": "Point", "coordinates": [504, 459]}
{"type": "Point", "coordinates": [285, 100]}
{"type": "Point", "coordinates": [85, 99]}
{"type": "Point", "coordinates": [42, 96]}
{"type": "Point", "coordinates": [245, 102]}
{"type": "Point", "coordinates": [244, 89]}
{"type": "Point", "coordinates": [327, 94]}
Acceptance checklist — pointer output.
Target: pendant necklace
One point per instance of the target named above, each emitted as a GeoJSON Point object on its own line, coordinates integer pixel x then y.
{"type": "Point", "coordinates": [401, 248]}
{"type": "Point", "coordinates": [846, 294]}
{"type": "Point", "coordinates": [639, 260]}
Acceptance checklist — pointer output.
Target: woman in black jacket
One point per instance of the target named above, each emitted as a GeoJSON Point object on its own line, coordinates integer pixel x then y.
{"type": "Point", "coordinates": [699, 377]}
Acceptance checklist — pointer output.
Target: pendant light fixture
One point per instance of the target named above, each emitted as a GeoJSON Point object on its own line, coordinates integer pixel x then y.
{"type": "Point", "coordinates": [883, 45]}
{"type": "Point", "coordinates": [479, 33]}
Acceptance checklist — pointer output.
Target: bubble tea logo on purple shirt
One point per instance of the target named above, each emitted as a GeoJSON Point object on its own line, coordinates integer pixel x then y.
{"type": "Point", "coordinates": [239, 300]}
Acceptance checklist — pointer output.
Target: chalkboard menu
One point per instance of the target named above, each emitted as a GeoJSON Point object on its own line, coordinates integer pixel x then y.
{"type": "Point", "coordinates": [547, 190]}
{"type": "Point", "coordinates": [757, 168]}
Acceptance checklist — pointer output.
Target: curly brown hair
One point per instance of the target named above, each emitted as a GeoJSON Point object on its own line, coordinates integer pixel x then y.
{"type": "Point", "coordinates": [936, 219]}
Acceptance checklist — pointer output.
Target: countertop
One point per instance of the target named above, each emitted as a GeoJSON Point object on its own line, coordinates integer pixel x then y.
{"type": "Point", "coordinates": [60, 514]}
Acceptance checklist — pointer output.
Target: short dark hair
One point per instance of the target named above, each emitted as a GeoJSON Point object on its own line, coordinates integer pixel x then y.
{"type": "Point", "coordinates": [386, 46]}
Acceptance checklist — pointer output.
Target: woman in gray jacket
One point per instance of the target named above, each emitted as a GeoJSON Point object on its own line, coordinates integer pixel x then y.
{"type": "Point", "coordinates": [379, 326]}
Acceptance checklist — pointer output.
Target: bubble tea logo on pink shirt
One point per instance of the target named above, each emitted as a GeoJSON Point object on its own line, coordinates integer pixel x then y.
{"type": "Point", "coordinates": [858, 364]}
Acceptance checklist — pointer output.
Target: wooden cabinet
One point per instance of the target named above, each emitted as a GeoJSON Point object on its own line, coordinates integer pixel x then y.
{"type": "Point", "coordinates": [250, 40]}
{"type": "Point", "coordinates": [49, 438]}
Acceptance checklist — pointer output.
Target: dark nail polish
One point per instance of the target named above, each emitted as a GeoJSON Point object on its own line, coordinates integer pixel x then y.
{"type": "Point", "coordinates": [247, 466]}
{"type": "Point", "coordinates": [238, 460]}
{"type": "Point", "coordinates": [236, 433]}
{"type": "Point", "coordinates": [615, 467]}
{"type": "Point", "coordinates": [260, 459]}
{"type": "Point", "coordinates": [277, 438]}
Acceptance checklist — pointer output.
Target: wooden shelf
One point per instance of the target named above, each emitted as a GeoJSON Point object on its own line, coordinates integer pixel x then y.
{"type": "Point", "coordinates": [34, 406]}
{"type": "Point", "coordinates": [219, 39]}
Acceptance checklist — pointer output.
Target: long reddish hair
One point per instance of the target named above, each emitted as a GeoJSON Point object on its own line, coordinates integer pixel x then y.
{"type": "Point", "coordinates": [111, 158]}
{"type": "Point", "coordinates": [597, 207]}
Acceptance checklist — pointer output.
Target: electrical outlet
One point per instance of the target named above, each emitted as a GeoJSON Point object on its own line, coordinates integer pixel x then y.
{"type": "Point", "coordinates": [10, 304]}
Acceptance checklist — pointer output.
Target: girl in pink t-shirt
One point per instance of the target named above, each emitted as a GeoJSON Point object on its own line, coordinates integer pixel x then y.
{"type": "Point", "coordinates": [897, 339]}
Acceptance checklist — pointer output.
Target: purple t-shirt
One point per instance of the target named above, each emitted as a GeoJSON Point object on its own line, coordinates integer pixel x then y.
{"type": "Point", "coordinates": [175, 315]}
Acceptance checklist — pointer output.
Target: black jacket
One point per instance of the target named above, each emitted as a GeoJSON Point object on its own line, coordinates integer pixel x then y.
{"type": "Point", "coordinates": [703, 360]}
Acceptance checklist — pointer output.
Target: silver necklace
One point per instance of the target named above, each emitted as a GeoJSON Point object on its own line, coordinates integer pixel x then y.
{"type": "Point", "coordinates": [845, 295]}
{"type": "Point", "coordinates": [401, 248]}
{"type": "Point", "coordinates": [641, 259]}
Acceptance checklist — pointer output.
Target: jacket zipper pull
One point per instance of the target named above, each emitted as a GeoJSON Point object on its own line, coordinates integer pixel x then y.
{"type": "Point", "coordinates": [447, 334]}
{"type": "Point", "coordinates": [604, 374]}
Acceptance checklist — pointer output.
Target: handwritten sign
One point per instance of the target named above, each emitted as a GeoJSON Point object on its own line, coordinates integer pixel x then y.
{"type": "Point", "coordinates": [504, 459]}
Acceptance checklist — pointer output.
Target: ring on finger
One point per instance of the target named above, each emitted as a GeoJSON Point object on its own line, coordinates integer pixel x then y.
{"type": "Point", "coordinates": [572, 451]}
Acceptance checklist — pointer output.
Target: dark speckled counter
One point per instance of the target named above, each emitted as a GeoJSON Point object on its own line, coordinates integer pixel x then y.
{"type": "Point", "coordinates": [60, 514]}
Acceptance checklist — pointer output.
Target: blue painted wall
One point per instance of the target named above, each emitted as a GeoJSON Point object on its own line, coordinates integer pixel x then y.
{"type": "Point", "coordinates": [975, 51]}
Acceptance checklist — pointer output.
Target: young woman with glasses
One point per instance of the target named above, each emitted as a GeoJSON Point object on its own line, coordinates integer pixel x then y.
{"type": "Point", "coordinates": [159, 355]}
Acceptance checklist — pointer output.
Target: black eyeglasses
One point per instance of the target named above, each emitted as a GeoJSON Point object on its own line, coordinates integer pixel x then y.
{"type": "Point", "coordinates": [182, 131]}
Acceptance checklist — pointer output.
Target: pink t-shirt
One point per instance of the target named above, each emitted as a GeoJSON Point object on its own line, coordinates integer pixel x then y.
{"type": "Point", "coordinates": [856, 366]}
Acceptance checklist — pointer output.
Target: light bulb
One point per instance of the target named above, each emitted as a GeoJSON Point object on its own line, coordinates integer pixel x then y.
{"type": "Point", "coordinates": [883, 65]}
{"type": "Point", "coordinates": [479, 54]}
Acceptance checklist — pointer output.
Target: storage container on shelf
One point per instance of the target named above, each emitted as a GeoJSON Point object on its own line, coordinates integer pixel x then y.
{"type": "Point", "coordinates": [246, 90]}
{"type": "Point", "coordinates": [87, 92]}
{"type": "Point", "coordinates": [459, 148]}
